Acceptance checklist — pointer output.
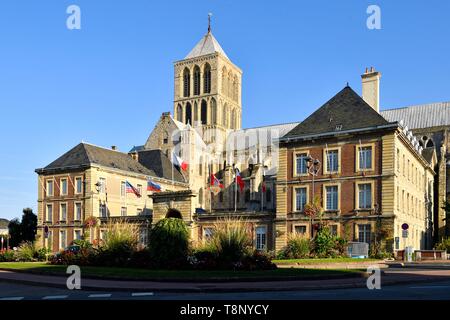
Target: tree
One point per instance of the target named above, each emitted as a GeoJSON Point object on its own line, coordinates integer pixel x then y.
{"type": "Point", "coordinates": [446, 207]}
{"type": "Point", "coordinates": [24, 230]}
{"type": "Point", "coordinates": [28, 225]}
{"type": "Point", "coordinates": [14, 232]}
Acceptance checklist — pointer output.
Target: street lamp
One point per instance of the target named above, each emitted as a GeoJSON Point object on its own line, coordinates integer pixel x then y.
{"type": "Point", "coordinates": [313, 166]}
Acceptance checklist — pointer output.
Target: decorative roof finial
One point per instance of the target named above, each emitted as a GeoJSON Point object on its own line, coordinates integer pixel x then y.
{"type": "Point", "coordinates": [209, 22]}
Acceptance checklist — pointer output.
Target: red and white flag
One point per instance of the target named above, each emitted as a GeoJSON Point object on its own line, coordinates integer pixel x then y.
{"type": "Point", "coordinates": [239, 180]}
{"type": "Point", "coordinates": [176, 160]}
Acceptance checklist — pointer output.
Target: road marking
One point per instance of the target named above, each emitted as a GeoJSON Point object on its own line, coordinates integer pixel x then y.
{"type": "Point", "coordinates": [141, 294]}
{"type": "Point", "coordinates": [430, 287]}
{"type": "Point", "coordinates": [12, 298]}
{"type": "Point", "coordinates": [54, 297]}
{"type": "Point", "coordinates": [100, 295]}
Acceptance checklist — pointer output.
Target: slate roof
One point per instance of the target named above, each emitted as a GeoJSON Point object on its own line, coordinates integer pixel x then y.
{"type": "Point", "coordinates": [85, 155]}
{"type": "Point", "coordinates": [152, 163]}
{"type": "Point", "coordinates": [160, 164]}
{"type": "Point", "coordinates": [421, 116]}
{"type": "Point", "coordinates": [207, 45]}
{"type": "Point", "coordinates": [346, 111]}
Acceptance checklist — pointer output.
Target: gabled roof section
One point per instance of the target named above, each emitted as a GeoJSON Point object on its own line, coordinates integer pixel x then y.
{"type": "Point", "coordinates": [85, 155]}
{"type": "Point", "coordinates": [345, 111]}
{"type": "Point", "coordinates": [207, 45]}
{"type": "Point", "coordinates": [160, 164]}
{"type": "Point", "coordinates": [421, 116]}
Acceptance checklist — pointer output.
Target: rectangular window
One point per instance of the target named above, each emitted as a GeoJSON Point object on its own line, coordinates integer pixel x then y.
{"type": "Point", "coordinates": [63, 186]}
{"type": "Point", "coordinates": [63, 212]}
{"type": "Point", "coordinates": [364, 233]}
{"type": "Point", "coordinates": [208, 233]}
{"type": "Point", "coordinates": [398, 160]}
{"type": "Point", "coordinates": [102, 234]}
{"type": "Point", "coordinates": [102, 210]}
{"type": "Point", "coordinates": [331, 198]}
{"type": "Point", "coordinates": [49, 213]}
{"type": "Point", "coordinates": [123, 211]}
{"type": "Point", "coordinates": [49, 188]}
{"type": "Point", "coordinates": [300, 199]}
{"type": "Point", "coordinates": [62, 239]}
{"type": "Point", "coordinates": [261, 235]}
{"type": "Point", "coordinates": [301, 163]}
{"type": "Point", "coordinates": [143, 237]}
{"type": "Point", "coordinates": [77, 211]}
{"type": "Point", "coordinates": [78, 185]}
{"type": "Point", "coordinates": [365, 158]}
{"type": "Point", "coordinates": [50, 240]}
{"type": "Point", "coordinates": [102, 185]}
{"type": "Point", "coordinates": [77, 235]}
{"type": "Point", "coordinates": [332, 161]}
{"type": "Point", "coordinates": [365, 196]}
{"type": "Point", "coordinates": [334, 229]}
{"type": "Point", "coordinates": [300, 230]}
{"type": "Point", "coordinates": [123, 188]}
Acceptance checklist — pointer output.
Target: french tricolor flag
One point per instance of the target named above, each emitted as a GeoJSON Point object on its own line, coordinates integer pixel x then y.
{"type": "Point", "coordinates": [176, 160]}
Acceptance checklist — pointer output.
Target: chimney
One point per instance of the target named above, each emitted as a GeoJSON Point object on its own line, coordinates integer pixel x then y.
{"type": "Point", "coordinates": [371, 88]}
{"type": "Point", "coordinates": [113, 148]}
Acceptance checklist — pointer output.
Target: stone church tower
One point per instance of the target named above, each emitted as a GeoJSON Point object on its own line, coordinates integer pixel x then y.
{"type": "Point", "coordinates": [208, 91]}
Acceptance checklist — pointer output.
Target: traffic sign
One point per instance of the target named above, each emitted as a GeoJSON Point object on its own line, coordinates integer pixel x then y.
{"type": "Point", "coordinates": [405, 226]}
{"type": "Point", "coordinates": [405, 234]}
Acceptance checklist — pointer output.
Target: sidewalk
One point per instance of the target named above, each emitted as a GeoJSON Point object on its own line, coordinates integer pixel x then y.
{"type": "Point", "coordinates": [389, 277]}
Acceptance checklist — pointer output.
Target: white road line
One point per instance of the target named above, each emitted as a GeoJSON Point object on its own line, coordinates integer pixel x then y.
{"type": "Point", "coordinates": [54, 297]}
{"type": "Point", "coordinates": [430, 287]}
{"type": "Point", "coordinates": [100, 295]}
{"type": "Point", "coordinates": [142, 294]}
{"type": "Point", "coordinates": [12, 298]}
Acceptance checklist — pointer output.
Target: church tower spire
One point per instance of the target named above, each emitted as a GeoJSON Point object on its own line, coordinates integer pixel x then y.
{"type": "Point", "coordinates": [208, 87]}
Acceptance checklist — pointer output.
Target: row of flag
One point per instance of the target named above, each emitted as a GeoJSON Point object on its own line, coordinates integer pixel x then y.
{"type": "Point", "coordinates": [214, 182]}
{"type": "Point", "coordinates": [151, 186]}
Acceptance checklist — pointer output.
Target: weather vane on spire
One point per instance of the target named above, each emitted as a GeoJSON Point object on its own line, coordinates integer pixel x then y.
{"type": "Point", "coordinates": [209, 22]}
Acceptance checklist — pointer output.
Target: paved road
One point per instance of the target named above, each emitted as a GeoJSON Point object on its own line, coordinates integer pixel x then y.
{"type": "Point", "coordinates": [423, 291]}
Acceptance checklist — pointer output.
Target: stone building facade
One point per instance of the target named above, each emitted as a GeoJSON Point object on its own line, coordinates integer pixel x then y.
{"type": "Point", "coordinates": [205, 131]}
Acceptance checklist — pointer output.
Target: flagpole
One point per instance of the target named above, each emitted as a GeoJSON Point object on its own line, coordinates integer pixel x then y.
{"type": "Point", "coordinates": [235, 189]}
{"type": "Point", "coordinates": [210, 193]}
{"type": "Point", "coordinates": [262, 186]}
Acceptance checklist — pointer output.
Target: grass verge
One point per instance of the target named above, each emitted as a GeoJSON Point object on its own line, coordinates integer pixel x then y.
{"type": "Point", "coordinates": [324, 261]}
{"type": "Point", "coordinates": [182, 275]}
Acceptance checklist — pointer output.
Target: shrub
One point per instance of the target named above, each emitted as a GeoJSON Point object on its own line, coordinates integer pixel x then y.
{"type": "Point", "coordinates": [26, 251]}
{"type": "Point", "coordinates": [140, 259]}
{"type": "Point", "coordinates": [83, 244]}
{"type": "Point", "coordinates": [298, 247]}
{"type": "Point", "coordinates": [7, 256]}
{"type": "Point", "coordinates": [204, 258]}
{"type": "Point", "coordinates": [231, 240]}
{"type": "Point", "coordinates": [443, 245]}
{"type": "Point", "coordinates": [257, 260]}
{"type": "Point", "coordinates": [169, 243]}
{"type": "Point", "coordinates": [120, 242]}
{"type": "Point", "coordinates": [324, 243]}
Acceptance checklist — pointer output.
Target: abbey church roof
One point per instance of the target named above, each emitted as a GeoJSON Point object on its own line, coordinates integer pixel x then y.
{"type": "Point", "coordinates": [207, 45]}
{"type": "Point", "coordinates": [421, 116]}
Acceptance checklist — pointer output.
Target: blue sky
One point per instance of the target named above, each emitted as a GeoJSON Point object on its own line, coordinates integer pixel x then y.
{"type": "Point", "coordinates": [109, 82]}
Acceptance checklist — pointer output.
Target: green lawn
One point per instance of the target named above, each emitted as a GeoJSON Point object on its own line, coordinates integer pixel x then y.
{"type": "Point", "coordinates": [182, 275]}
{"type": "Point", "coordinates": [323, 261]}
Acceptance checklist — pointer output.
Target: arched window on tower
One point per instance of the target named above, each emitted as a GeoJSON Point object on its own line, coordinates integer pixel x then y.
{"type": "Point", "coordinates": [224, 81]}
{"type": "Point", "coordinates": [188, 113]}
{"type": "Point", "coordinates": [196, 81]}
{"type": "Point", "coordinates": [200, 196]}
{"type": "Point", "coordinates": [180, 113]}
{"type": "Point", "coordinates": [213, 111]}
{"type": "Point", "coordinates": [186, 82]}
{"type": "Point", "coordinates": [230, 84]}
{"type": "Point", "coordinates": [430, 143]}
{"type": "Point", "coordinates": [195, 112]}
{"type": "Point", "coordinates": [233, 120]}
{"type": "Point", "coordinates": [224, 115]}
{"type": "Point", "coordinates": [207, 78]}
{"type": "Point", "coordinates": [204, 112]}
